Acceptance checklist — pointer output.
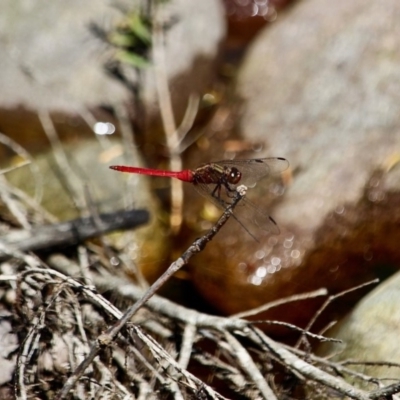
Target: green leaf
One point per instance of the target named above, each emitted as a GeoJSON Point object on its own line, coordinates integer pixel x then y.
{"type": "Point", "coordinates": [120, 39]}
{"type": "Point", "coordinates": [138, 26]}
{"type": "Point", "coordinates": [132, 59]}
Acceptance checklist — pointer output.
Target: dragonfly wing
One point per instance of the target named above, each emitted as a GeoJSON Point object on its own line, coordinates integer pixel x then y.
{"type": "Point", "coordinates": [257, 168]}
{"type": "Point", "coordinates": [255, 221]}
{"type": "Point", "coordinates": [206, 190]}
{"type": "Point", "coordinates": [260, 219]}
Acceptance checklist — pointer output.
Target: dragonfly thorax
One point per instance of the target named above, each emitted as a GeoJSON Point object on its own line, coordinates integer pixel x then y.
{"type": "Point", "coordinates": [216, 174]}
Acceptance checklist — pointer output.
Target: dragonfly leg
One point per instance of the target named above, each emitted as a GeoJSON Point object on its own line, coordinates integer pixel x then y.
{"type": "Point", "coordinates": [216, 193]}
{"type": "Point", "coordinates": [230, 192]}
{"type": "Point", "coordinates": [213, 192]}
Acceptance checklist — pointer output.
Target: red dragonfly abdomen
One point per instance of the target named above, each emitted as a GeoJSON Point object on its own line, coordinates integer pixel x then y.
{"type": "Point", "coordinates": [186, 175]}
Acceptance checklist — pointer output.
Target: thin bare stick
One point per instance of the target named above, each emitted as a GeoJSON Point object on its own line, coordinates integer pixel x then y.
{"type": "Point", "coordinates": [61, 158]}
{"type": "Point", "coordinates": [218, 122]}
{"type": "Point", "coordinates": [14, 167]}
{"type": "Point", "coordinates": [188, 337]}
{"type": "Point", "coordinates": [25, 355]}
{"type": "Point", "coordinates": [160, 354]}
{"type": "Point", "coordinates": [30, 260]}
{"type": "Point", "coordinates": [22, 359]}
{"type": "Point", "coordinates": [297, 329]}
{"type": "Point", "coordinates": [70, 232]}
{"type": "Point", "coordinates": [167, 115]}
{"type": "Point", "coordinates": [18, 149]}
{"type": "Point", "coordinates": [248, 365]}
{"type": "Point", "coordinates": [29, 201]}
{"type": "Point", "coordinates": [373, 363]}
{"type": "Point", "coordinates": [84, 265]}
{"type": "Point", "coordinates": [106, 338]}
{"type": "Point", "coordinates": [329, 300]}
{"type": "Point", "coordinates": [386, 392]}
{"type": "Point", "coordinates": [340, 366]}
{"type": "Point", "coordinates": [297, 364]}
{"type": "Point", "coordinates": [129, 146]}
{"type": "Point", "coordinates": [327, 327]}
{"type": "Point", "coordinates": [127, 132]}
{"type": "Point", "coordinates": [174, 135]}
{"type": "Point", "coordinates": [156, 303]}
{"type": "Point", "coordinates": [188, 120]}
{"type": "Point", "coordinates": [164, 96]}
{"type": "Point", "coordinates": [14, 207]}
{"type": "Point", "coordinates": [276, 303]}
{"type": "Point", "coordinates": [87, 290]}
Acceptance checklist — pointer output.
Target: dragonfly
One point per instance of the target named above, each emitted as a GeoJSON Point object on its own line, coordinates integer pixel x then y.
{"type": "Point", "coordinates": [218, 180]}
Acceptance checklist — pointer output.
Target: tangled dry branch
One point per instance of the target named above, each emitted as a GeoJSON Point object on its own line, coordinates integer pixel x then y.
{"type": "Point", "coordinates": [74, 342]}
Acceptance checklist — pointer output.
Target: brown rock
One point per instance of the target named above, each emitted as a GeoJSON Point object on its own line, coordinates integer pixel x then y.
{"type": "Point", "coordinates": [318, 88]}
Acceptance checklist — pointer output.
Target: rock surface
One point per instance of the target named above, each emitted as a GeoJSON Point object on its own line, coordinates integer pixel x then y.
{"type": "Point", "coordinates": [370, 332]}
{"type": "Point", "coordinates": [51, 59]}
{"type": "Point", "coordinates": [319, 87]}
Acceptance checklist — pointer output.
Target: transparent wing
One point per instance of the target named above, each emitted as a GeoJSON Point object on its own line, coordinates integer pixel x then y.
{"type": "Point", "coordinates": [206, 190]}
{"type": "Point", "coordinates": [257, 168]}
{"type": "Point", "coordinates": [259, 218]}
{"type": "Point", "coordinates": [255, 221]}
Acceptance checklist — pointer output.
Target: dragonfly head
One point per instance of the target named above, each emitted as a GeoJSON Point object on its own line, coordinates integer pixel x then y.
{"type": "Point", "coordinates": [234, 175]}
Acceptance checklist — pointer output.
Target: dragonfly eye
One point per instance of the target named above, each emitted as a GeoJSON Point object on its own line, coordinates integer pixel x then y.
{"type": "Point", "coordinates": [234, 176]}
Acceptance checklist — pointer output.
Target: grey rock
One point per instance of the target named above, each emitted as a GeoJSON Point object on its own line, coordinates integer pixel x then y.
{"type": "Point", "coordinates": [51, 59]}
{"type": "Point", "coordinates": [321, 88]}
{"type": "Point", "coordinates": [370, 332]}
